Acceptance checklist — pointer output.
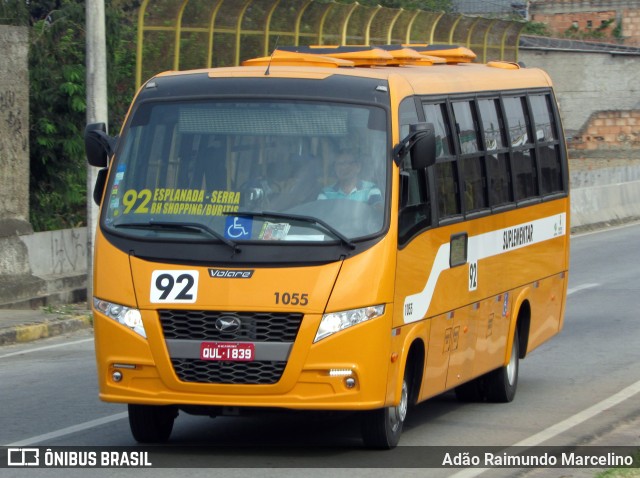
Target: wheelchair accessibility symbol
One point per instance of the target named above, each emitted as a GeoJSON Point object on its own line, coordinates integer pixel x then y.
{"type": "Point", "coordinates": [238, 227]}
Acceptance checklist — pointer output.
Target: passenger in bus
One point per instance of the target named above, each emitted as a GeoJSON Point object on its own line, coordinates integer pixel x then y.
{"type": "Point", "coordinates": [349, 184]}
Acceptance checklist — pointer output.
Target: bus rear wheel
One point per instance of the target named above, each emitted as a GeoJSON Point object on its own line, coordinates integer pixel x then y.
{"type": "Point", "coordinates": [381, 428]}
{"type": "Point", "coordinates": [152, 423]}
{"type": "Point", "coordinates": [501, 384]}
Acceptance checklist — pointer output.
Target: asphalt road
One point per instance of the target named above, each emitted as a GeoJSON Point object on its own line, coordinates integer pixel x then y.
{"type": "Point", "coordinates": [579, 386]}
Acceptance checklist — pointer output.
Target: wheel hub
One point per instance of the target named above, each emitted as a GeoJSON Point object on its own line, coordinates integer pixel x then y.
{"type": "Point", "coordinates": [398, 413]}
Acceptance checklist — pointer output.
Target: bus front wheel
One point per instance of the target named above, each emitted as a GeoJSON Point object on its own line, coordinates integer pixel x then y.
{"type": "Point", "coordinates": [151, 423]}
{"type": "Point", "coordinates": [381, 428]}
{"type": "Point", "coordinates": [501, 384]}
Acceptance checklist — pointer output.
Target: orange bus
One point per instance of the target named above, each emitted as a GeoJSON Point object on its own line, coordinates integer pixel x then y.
{"type": "Point", "coordinates": [329, 228]}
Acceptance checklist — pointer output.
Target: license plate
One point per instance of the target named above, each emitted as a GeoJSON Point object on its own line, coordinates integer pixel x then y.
{"type": "Point", "coordinates": [227, 351]}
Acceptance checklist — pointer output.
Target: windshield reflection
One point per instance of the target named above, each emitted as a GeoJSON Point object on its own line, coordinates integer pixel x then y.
{"type": "Point", "coordinates": [272, 162]}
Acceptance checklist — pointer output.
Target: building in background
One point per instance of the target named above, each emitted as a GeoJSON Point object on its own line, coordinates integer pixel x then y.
{"type": "Point", "coordinates": [590, 20]}
{"type": "Point", "coordinates": [613, 21]}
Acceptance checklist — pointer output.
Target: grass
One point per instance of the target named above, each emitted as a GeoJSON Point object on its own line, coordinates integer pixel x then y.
{"type": "Point", "coordinates": [623, 472]}
{"type": "Point", "coordinates": [65, 309]}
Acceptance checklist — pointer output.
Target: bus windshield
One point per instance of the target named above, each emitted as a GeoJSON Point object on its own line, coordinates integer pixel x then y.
{"type": "Point", "coordinates": [250, 170]}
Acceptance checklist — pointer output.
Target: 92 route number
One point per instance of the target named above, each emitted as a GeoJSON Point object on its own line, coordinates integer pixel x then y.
{"type": "Point", "coordinates": [473, 276]}
{"type": "Point", "coordinates": [174, 287]}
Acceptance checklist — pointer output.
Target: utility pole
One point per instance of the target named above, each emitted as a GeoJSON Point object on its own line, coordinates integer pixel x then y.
{"type": "Point", "coordinates": [97, 112]}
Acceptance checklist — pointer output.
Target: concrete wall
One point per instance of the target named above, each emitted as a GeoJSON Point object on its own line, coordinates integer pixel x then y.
{"type": "Point", "coordinates": [15, 274]}
{"type": "Point", "coordinates": [609, 132]}
{"type": "Point", "coordinates": [62, 252]}
{"type": "Point", "coordinates": [35, 269]}
{"type": "Point", "coordinates": [599, 98]}
{"type": "Point", "coordinates": [604, 193]}
{"type": "Point", "coordinates": [563, 15]}
{"type": "Point", "coordinates": [48, 268]}
{"type": "Point", "coordinates": [586, 82]}
{"type": "Point", "coordinates": [14, 129]}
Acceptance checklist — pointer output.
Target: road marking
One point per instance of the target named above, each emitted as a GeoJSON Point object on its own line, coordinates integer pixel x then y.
{"type": "Point", "coordinates": [605, 229]}
{"type": "Point", "coordinates": [46, 347]}
{"type": "Point", "coordinates": [564, 425]}
{"type": "Point", "coordinates": [581, 287]}
{"type": "Point", "coordinates": [69, 430]}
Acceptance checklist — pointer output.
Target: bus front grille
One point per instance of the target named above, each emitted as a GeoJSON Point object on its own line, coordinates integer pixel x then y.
{"type": "Point", "coordinates": [185, 330]}
{"type": "Point", "coordinates": [203, 371]}
{"type": "Point", "coordinates": [254, 326]}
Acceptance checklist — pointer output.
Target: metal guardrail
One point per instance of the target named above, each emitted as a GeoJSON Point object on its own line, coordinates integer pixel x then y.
{"type": "Point", "coordinates": [187, 34]}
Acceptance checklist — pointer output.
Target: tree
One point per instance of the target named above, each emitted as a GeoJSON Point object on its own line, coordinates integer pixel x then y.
{"type": "Point", "coordinates": [58, 98]}
{"type": "Point", "coordinates": [57, 103]}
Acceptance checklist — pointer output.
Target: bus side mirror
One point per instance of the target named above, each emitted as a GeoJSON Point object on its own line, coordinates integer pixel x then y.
{"type": "Point", "coordinates": [404, 189]}
{"type": "Point", "coordinates": [423, 149]}
{"type": "Point", "coordinates": [421, 143]}
{"type": "Point", "coordinates": [98, 145]}
{"type": "Point", "coordinates": [98, 189]}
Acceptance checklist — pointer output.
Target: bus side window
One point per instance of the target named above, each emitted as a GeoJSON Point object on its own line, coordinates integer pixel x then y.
{"type": "Point", "coordinates": [499, 174]}
{"type": "Point", "coordinates": [526, 183]}
{"type": "Point", "coordinates": [415, 205]}
{"type": "Point", "coordinates": [475, 197]}
{"type": "Point", "coordinates": [471, 162]}
{"type": "Point", "coordinates": [497, 163]}
{"type": "Point", "coordinates": [547, 144]}
{"type": "Point", "coordinates": [435, 113]}
{"type": "Point", "coordinates": [446, 170]}
{"type": "Point", "coordinates": [523, 154]}
{"type": "Point", "coordinates": [447, 192]}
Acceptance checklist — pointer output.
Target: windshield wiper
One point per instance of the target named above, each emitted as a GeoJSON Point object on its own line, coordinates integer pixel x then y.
{"type": "Point", "coordinates": [296, 217]}
{"type": "Point", "coordinates": [181, 226]}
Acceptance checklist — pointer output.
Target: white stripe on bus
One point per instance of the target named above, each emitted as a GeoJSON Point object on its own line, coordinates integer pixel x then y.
{"type": "Point", "coordinates": [480, 247]}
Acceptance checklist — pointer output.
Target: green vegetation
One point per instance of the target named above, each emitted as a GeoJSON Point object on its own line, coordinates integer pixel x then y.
{"type": "Point", "coordinates": [617, 32]}
{"type": "Point", "coordinates": [623, 472]}
{"type": "Point", "coordinates": [601, 32]}
{"type": "Point", "coordinates": [57, 100]}
{"type": "Point", "coordinates": [57, 111]}
{"type": "Point", "coordinates": [620, 473]}
{"type": "Point", "coordinates": [536, 28]}
{"type": "Point", "coordinates": [58, 94]}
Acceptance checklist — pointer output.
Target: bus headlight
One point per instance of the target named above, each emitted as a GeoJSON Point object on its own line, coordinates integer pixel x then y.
{"type": "Point", "coordinates": [337, 321]}
{"type": "Point", "coordinates": [126, 316]}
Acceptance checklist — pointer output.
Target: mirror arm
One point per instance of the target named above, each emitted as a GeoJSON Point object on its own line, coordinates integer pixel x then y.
{"type": "Point", "coordinates": [108, 142]}
{"type": "Point", "coordinates": [399, 152]}
{"type": "Point", "coordinates": [403, 147]}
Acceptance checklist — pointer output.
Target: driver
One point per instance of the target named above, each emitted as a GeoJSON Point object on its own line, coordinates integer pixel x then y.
{"type": "Point", "coordinates": [348, 184]}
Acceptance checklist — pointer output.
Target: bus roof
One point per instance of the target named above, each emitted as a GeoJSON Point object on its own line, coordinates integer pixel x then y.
{"type": "Point", "coordinates": [424, 80]}
{"type": "Point", "coordinates": [427, 69]}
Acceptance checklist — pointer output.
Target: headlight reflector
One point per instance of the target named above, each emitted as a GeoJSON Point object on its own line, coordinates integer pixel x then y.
{"type": "Point", "coordinates": [337, 321]}
{"type": "Point", "coordinates": [126, 316]}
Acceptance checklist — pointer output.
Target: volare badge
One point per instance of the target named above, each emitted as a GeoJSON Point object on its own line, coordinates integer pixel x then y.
{"type": "Point", "coordinates": [231, 274]}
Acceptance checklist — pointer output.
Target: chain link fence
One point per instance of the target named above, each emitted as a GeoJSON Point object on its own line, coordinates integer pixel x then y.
{"type": "Point", "coordinates": [188, 34]}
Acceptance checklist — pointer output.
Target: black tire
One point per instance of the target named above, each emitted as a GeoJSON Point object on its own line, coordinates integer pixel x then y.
{"type": "Point", "coordinates": [381, 428]}
{"type": "Point", "coordinates": [151, 423]}
{"type": "Point", "coordinates": [501, 384]}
